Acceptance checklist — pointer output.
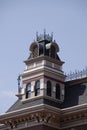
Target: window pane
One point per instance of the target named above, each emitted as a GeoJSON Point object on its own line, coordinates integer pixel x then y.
{"type": "Point", "coordinates": [37, 88]}
{"type": "Point", "coordinates": [28, 87]}
{"type": "Point", "coordinates": [35, 51]}
{"type": "Point", "coordinates": [53, 52]}
{"type": "Point", "coordinates": [28, 90]}
{"type": "Point", "coordinates": [41, 47]}
{"type": "Point", "coordinates": [48, 88]}
{"type": "Point", "coordinates": [57, 91]}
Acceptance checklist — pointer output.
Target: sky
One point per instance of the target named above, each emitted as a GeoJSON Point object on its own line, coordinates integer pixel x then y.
{"type": "Point", "coordinates": [19, 22]}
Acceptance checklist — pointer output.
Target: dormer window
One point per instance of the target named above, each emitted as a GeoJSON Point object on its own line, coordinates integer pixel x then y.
{"type": "Point", "coordinates": [57, 91]}
{"type": "Point", "coordinates": [37, 88]}
{"type": "Point", "coordinates": [48, 88]}
{"type": "Point", "coordinates": [28, 90]}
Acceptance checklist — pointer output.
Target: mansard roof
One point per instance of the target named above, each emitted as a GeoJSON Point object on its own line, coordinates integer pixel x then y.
{"type": "Point", "coordinates": [75, 94]}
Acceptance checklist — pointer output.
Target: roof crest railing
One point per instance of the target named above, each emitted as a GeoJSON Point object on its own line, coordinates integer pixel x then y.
{"type": "Point", "coordinates": [44, 36]}
{"type": "Point", "coordinates": [76, 75]}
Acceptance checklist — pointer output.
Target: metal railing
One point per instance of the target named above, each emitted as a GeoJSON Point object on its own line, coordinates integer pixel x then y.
{"type": "Point", "coordinates": [76, 75]}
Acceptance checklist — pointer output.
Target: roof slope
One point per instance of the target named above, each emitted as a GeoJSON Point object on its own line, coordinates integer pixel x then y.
{"type": "Point", "coordinates": [75, 94]}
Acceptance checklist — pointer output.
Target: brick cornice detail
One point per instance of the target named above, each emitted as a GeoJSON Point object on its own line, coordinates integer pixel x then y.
{"type": "Point", "coordinates": [30, 117]}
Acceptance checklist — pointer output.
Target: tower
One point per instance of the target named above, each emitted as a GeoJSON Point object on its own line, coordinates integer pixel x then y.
{"type": "Point", "coordinates": [43, 77]}
{"type": "Point", "coordinates": [46, 99]}
{"type": "Point", "coordinates": [42, 90]}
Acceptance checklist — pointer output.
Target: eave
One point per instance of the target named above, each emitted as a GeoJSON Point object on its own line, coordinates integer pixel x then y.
{"type": "Point", "coordinates": [39, 58]}
{"type": "Point", "coordinates": [45, 114]}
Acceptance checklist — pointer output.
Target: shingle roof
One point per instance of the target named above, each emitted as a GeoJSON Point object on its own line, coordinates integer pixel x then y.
{"type": "Point", "coordinates": [75, 94]}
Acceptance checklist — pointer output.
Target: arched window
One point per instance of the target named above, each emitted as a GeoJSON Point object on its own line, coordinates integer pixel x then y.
{"type": "Point", "coordinates": [57, 91]}
{"type": "Point", "coordinates": [37, 88]}
{"type": "Point", "coordinates": [48, 52]}
{"type": "Point", "coordinates": [53, 51]}
{"type": "Point", "coordinates": [41, 49]}
{"type": "Point", "coordinates": [48, 88]}
{"type": "Point", "coordinates": [35, 51]}
{"type": "Point", "coordinates": [28, 90]}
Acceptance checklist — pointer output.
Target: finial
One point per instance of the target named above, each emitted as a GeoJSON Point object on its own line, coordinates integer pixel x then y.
{"type": "Point", "coordinates": [36, 36]}
{"type": "Point", "coordinates": [52, 36]}
{"type": "Point", "coordinates": [44, 36]}
{"type": "Point", "coordinates": [44, 33]}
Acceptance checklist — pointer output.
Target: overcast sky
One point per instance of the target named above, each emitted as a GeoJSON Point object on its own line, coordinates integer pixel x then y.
{"type": "Point", "coordinates": [19, 22]}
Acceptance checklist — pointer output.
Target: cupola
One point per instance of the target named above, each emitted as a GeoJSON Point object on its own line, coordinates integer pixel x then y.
{"type": "Point", "coordinates": [44, 45]}
{"type": "Point", "coordinates": [43, 77]}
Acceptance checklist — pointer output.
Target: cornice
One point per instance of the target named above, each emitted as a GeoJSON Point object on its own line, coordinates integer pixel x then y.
{"type": "Point", "coordinates": [74, 116]}
{"type": "Point", "coordinates": [26, 111]}
{"type": "Point", "coordinates": [77, 108]}
{"type": "Point", "coordinates": [41, 69]}
{"type": "Point", "coordinates": [31, 116]}
{"type": "Point", "coordinates": [39, 58]}
{"type": "Point", "coordinates": [45, 114]}
{"type": "Point", "coordinates": [41, 97]}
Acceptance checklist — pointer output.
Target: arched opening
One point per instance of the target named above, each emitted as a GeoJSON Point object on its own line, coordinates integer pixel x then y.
{"type": "Point", "coordinates": [41, 49]}
{"type": "Point", "coordinates": [48, 88]}
{"type": "Point", "coordinates": [35, 51]}
{"type": "Point", "coordinates": [28, 90]}
{"type": "Point", "coordinates": [53, 51]}
{"type": "Point", "coordinates": [37, 88]}
{"type": "Point", "coordinates": [57, 91]}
